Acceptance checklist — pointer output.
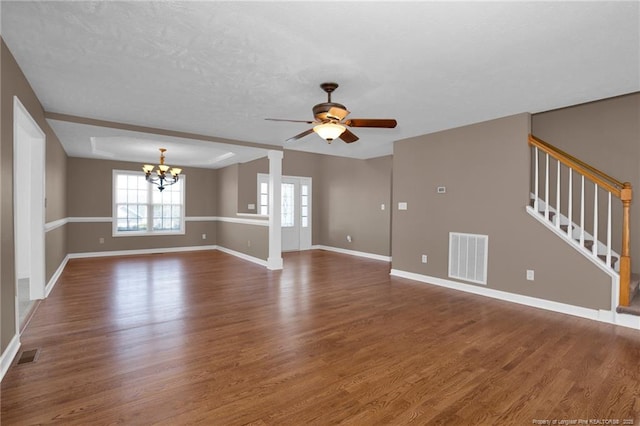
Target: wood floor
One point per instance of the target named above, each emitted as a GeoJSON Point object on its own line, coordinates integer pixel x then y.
{"type": "Point", "coordinates": [206, 338]}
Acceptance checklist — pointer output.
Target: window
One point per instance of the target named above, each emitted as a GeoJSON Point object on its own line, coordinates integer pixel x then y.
{"type": "Point", "coordinates": [139, 208]}
{"type": "Point", "coordinates": [304, 202]}
{"type": "Point", "coordinates": [263, 195]}
{"type": "Point", "coordinates": [288, 205]}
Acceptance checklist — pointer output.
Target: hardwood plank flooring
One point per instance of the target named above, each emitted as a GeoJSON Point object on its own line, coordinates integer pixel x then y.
{"type": "Point", "coordinates": [206, 338]}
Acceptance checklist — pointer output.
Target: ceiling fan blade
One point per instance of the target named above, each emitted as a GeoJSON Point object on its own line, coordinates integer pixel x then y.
{"type": "Point", "coordinates": [388, 123]}
{"type": "Point", "coordinates": [337, 113]}
{"type": "Point", "coordinates": [348, 136]}
{"type": "Point", "coordinates": [291, 121]}
{"type": "Point", "coordinates": [300, 135]}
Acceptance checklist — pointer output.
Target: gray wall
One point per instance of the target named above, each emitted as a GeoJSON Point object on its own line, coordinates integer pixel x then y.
{"type": "Point", "coordinates": [605, 134]}
{"type": "Point", "coordinates": [92, 197]}
{"type": "Point", "coordinates": [13, 83]}
{"type": "Point", "coordinates": [485, 168]}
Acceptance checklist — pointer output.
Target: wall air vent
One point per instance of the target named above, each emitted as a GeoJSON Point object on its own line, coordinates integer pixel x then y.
{"type": "Point", "coordinates": [468, 257]}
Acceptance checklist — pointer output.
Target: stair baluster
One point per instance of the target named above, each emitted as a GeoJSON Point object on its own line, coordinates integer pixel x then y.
{"type": "Point", "coordinates": [557, 194]}
{"type": "Point", "coordinates": [609, 229]}
{"type": "Point", "coordinates": [546, 188]}
{"type": "Point", "coordinates": [570, 204]}
{"type": "Point", "coordinates": [595, 220]}
{"type": "Point", "coordinates": [537, 180]}
{"type": "Point", "coordinates": [582, 212]}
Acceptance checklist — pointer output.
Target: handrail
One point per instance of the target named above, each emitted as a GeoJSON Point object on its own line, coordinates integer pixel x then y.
{"type": "Point", "coordinates": [621, 190]}
{"type": "Point", "coordinates": [601, 178]}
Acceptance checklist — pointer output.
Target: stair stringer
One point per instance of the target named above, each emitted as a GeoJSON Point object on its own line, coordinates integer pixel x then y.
{"type": "Point", "coordinates": [575, 234]}
{"type": "Point", "coordinates": [615, 276]}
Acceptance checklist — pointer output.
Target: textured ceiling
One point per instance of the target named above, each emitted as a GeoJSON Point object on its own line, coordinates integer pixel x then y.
{"type": "Point", "coordinates": [220, 68]}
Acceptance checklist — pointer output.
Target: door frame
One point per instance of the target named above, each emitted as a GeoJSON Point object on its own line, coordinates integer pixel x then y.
{"type": "Point", "coordinates": [29, 161]}
{"type": "Point", "coordinates": [305, 233]}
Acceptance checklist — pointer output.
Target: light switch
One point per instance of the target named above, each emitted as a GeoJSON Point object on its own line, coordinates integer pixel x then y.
{"type": "Point", "coordinates": [402, 205]}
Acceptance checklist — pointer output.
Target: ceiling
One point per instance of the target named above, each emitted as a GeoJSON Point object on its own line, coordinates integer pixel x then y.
{"type": "Point", "coordinates": [220, 68]}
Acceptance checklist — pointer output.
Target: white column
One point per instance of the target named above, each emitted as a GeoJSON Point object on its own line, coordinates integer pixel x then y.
{"type": "Point", "coordinates": [274, 261]}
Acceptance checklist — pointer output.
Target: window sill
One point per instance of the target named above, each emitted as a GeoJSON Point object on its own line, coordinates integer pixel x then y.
{"type": "Point", "coordinates": [147, 234]}
{"type": "Point", "coordinates": [253, 215]}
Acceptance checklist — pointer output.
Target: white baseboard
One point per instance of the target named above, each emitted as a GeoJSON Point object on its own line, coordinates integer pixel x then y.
{"type": "Point", "coordinates": [244, 256]}
{"type": "Point", "coordinates": [9, 354]}
{"type": "Point", "coordinates": [353, 252]}
{"type": "Point", "coordinates": [54, 278]}
{"type": "Point", "coordinates": [167, 250]}
{"type": "Point", "coordinates": [626, 320]}
{"type": "Point", "coordinates": [549, 305]}
{"type": "Point", "coordinates": [139, 251]}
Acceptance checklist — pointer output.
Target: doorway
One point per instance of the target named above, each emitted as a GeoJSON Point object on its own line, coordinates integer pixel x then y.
{"type": "Point", "coordinates": [28, 210]}
{"type": "Point", "coordinates": [295, 210]}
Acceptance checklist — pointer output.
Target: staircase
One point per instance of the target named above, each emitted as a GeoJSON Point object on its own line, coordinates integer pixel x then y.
{"type": "Point", "coordinates": [574, 200]}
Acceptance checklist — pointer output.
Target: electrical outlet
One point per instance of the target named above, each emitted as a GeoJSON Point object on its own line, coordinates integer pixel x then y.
{"type": "Point", "coordinates": [349, 238]}
{"type": "Point", "coordinates": [424, 258]}
{"type": "Point", "coordinates": [204, 236]}
{"type": "Point", "coordinates": [249, 243]}
{"type": "Point", "coordinates": [251, 206]}
{"type": "Point", "coordinates": [381, 206]}
{"type": "Point", "coordinates": [101, 240]}
{"type": "Point", "coordinates": [530, 274]}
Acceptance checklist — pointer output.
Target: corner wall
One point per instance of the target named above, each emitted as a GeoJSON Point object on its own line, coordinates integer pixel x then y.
{"type": "Point", "coordinates": [13, 83]}
{"type": "Point", "coordinates": [233, 232]}
{"type": "Point", "coordinates": [352, 193]}
{"type": "Point", "coordinates": [486, 170]}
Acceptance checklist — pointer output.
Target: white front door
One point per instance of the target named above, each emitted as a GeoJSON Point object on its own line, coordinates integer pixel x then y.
{"type": "Point", "coordinates": [296, 210]}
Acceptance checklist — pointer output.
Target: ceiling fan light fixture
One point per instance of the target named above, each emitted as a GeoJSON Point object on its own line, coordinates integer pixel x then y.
{"type": "Point", "coordinates": [329, 131]}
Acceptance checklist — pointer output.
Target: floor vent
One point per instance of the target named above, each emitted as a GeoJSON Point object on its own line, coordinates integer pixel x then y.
{"type": "Point", "coordinates": [468, 257]}
{"type": "Point", "coordinates": [28, 356]}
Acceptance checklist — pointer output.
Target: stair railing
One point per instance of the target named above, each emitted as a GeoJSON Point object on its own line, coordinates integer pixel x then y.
{"type": "Point", "coordinates": [612, 186]}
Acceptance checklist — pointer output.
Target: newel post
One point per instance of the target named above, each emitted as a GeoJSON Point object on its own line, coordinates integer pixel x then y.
{"type": "Point", "coordinates": [625, 258]}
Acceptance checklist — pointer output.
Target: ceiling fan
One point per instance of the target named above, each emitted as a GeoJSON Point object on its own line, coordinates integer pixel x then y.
{"type": "Point", "coordinates": [330, 121]}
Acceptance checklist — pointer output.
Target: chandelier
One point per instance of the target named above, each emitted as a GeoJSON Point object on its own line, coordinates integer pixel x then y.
{"type": "Point", "coordinates": [165, 175]}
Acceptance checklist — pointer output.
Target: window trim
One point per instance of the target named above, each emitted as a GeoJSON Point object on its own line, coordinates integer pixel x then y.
{"type": "Point", "coordinates": [150, 233]}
